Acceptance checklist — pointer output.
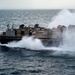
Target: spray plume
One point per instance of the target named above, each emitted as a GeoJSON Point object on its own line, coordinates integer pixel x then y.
{"type": "Point", "coordinates": [64, 17]}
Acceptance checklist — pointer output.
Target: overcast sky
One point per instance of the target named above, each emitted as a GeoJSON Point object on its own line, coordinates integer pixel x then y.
{"type": "Point", "coordinates": [37, 4]}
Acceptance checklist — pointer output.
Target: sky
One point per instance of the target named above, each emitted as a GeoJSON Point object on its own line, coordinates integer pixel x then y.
{"type": "Point", "coordinates": [37, 4]}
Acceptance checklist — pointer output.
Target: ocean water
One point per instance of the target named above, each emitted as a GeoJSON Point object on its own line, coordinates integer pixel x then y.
{"type": "Point", "coordinates": [29, 56]}
{"type": "Point", "coordinates": [27, 17]}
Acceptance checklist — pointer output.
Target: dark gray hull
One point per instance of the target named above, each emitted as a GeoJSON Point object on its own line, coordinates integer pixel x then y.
{"type": "Point", "coordinates": [46, 41]}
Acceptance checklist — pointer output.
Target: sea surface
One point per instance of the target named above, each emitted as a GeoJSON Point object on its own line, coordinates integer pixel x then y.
{"type": "Point", "coordinates": [26, 17]}
{"type": "Point", "coordinates": [26, 58]}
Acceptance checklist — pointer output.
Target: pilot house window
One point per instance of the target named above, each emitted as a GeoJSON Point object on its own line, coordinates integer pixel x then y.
{"type": "Point", "coordinates": [22, 32]}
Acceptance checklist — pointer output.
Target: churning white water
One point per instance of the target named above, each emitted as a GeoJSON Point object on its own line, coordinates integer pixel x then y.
{"type": "Point", "coordinates": [27, 42]}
